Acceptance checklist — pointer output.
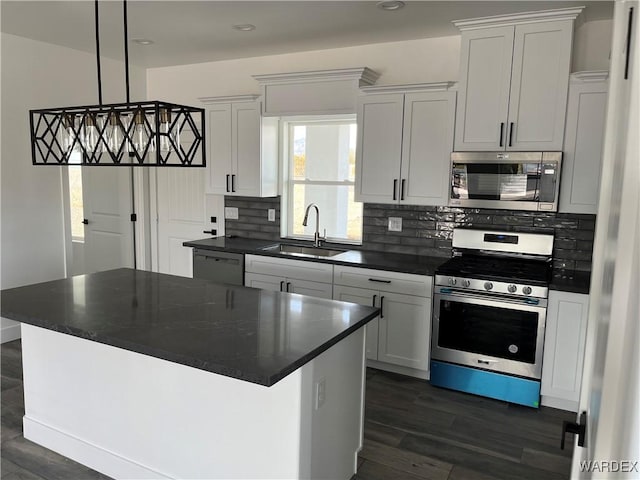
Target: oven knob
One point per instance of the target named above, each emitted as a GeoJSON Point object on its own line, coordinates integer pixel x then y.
{"type": "Point", "coordinates": [452, 281]}
{"type": "Point", "coordinates": [512, 288]}
{"type": "Point", "coordinates": [488, 285]}
{"type": "Point", "coordinates": [466, 283]}
{"type": "Point", "coordinates": [526, 290]}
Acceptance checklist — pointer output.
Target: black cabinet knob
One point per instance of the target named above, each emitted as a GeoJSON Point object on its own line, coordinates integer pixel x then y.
{"type": "Point", "coordinates": [85, 221]}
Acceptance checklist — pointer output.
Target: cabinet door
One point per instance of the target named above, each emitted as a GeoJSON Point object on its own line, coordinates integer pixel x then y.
{"type": "Point", "coordinates": [367, 297]}
{"type": "Point", "coordinates": [483, 98]}
{"type": "Point", "coordinates": [583, 143]}
{"type": "Point", "coordinates": [539, 83]}
{"type": "Point", "coordinates": [404, 331]}
{"type": "Point", "coordinates": [265, 282]}
{"type": "Point", "coordinates": [219, 149]}
{"type": "Point", "coordinates": [566, 330]}
{"type": "Point", "coordinates": [379, 148]}
{"type": "Point", "coordinates": [245, 141]}
{"type": "Point", "coordinates": [293, 269]}
{"type": "Point", "coordinates": [426, 147]}
{"type": "Point", "coordinates": [312, 289]}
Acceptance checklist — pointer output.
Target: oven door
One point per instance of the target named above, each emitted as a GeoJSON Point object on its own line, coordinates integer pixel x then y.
{"type": "Point", "coordinates": [489, 332]}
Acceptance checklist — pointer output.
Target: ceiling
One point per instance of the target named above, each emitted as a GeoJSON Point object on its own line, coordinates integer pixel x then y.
{"type": "Point", "coordinates": [186, 32]}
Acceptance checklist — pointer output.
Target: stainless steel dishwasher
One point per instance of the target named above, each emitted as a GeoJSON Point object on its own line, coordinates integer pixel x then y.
{"type": "Point", "coordinates": [220, 267]}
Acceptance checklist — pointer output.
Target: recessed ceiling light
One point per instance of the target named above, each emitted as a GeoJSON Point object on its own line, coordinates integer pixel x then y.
{"type": "Point", "coordinates": [245, 27]}
{"type": "Point", "coordinates": [390, 5]}
{"type": "Point", "coordinates": [143, 41]}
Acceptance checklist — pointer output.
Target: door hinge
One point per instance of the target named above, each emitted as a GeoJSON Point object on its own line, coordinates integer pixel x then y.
{"type": "Point", "coordinates": [134, 217]}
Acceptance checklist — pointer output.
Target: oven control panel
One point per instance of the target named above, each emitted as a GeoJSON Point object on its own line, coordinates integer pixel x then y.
{"type": "Point", "coordinates": [506, 288]}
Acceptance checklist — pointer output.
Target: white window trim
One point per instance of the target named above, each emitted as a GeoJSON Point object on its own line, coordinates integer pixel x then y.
{"type": "Point", "coordinates": [286, 221]}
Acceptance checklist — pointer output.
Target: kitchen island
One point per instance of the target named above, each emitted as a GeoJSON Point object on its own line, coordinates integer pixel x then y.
{"type": "Point", "coordinates": [143, 375]}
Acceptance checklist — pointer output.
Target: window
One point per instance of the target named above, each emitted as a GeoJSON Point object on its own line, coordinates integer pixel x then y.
{"type": "Point", "coordinates": [321, 169]}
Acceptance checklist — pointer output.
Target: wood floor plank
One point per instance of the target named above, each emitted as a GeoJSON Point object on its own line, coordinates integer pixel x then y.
{"type": "Point", "coordinates": [13, 396]}
{"type": "Point", "coordinates": [472, 459]}
{"type": "Point", "coordinates": [376, 471]}
{"type": "Point", "coordinates": [461, 473]}
{"type": "Point", "coordinates": [382, 433]}
{"type": "Point", "coordinates": [419, 465]}
{"type": "Point", "coordinates": [11, 362]}
{"type": "Point", "coordinates": [11, 471]}
{"type": "Point", "coordinates": [7, 383]}
{"type": "Point", "coordinates": [546, 461]}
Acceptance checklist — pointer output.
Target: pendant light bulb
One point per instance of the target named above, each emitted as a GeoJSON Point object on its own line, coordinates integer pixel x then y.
{"type": "Point", "coordinates": [140, 136]}
{"type": "Point", "coordinates": [165, 124]}
{"type": "Point", "coordinates": [91, 137]}
{"type": "Point", "coordinates": [114, 133]}
{"type": "Point", "coordinates": [67, 135]}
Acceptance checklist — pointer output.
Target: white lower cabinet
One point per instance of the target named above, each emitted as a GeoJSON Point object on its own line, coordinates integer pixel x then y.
{"type": "Point", "coordinates": [566, 330]}
{"type": "Point", "coordinates": [401, 334]}
{"type": "Point", "coordinates": [294, 276]}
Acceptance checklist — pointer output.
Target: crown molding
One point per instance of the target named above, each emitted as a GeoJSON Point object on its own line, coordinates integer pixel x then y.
{"type": "Point", "coordinates": [364, 75]}
{"type": "Point", "coordinates": [518, 18]}
{"type": "Point", "coordinates": [413, 87]}
{"type": "Point", "coordinates": [591, 76]}
{"type": "Point", "coordinates": [228, 99]}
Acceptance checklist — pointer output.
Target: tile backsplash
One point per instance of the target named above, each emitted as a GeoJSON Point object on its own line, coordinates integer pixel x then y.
{"type": "Point", "coordinates": [428, 230]}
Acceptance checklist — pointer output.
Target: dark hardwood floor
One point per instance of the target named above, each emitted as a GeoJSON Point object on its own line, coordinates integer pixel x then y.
{"type": "Point", "coordinates": [412, 431]}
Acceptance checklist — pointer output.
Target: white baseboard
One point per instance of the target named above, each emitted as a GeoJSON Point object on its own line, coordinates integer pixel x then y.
{"type": "Point", "coordinates": [9, 333]}
{"type": "Point", "coordinates": [83, 452]}
{"type": "Point", "coordinates": [411, 372]}
{"type": "Point", "coordinates": [560, 403]}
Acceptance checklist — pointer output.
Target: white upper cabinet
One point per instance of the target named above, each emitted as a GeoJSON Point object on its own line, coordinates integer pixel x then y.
{"type": "Point", "coordinates": [405, 138]}
{"type": "Point", "coordinates": [583, 143]}
{"type": "Point", "coordinates": [513, 81]}
{"type": "Point", "coordinates": [242, 147]}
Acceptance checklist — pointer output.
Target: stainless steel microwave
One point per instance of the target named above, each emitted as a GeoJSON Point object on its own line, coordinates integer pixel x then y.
{"type": "Point", "coordinates": [509, 180]}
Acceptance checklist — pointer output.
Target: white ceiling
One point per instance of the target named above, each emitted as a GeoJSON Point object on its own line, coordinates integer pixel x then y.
{"type": "Point", "coordinates": [200, 31]}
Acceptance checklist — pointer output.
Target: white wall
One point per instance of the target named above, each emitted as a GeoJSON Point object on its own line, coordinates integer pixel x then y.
{"type": "Point", "coordinates": [40, 75]}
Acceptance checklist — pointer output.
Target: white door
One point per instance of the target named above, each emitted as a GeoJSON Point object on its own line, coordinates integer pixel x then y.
{"type": "Point", "coordinates": [404, 332]}
{"type": "Point", "coordinates": [539, 84]}
{"type": "Point", "coordinates": [426, 147]}
{"type": "Point", "coordinates": [362, 296]}
{"type": "Point", "coordinates": [181, 216]}
{"type": "Point", "coordinates": [485, 77]}
{"type": "Point", "coordinates": [379, 148]}
{"type": "Point", "coordinates": [610, 393]}
{"type": "Point", "coordinates": [108, 230]}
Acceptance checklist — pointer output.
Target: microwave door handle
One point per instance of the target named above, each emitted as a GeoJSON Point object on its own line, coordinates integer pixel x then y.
{"type": "Point", "coordinates": [501, 133]}
{"type": "Point", "coordinates": [511, 134]}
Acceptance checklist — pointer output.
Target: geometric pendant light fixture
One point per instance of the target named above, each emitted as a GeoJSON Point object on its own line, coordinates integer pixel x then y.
{"type": "Point", "coordinates": [131, 134]}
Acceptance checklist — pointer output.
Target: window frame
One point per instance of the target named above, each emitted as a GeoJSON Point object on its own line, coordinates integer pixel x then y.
{"type": "Point", "coordinates": [286, 201]}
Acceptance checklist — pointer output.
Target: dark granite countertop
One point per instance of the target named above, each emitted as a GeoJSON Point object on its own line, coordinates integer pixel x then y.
{"type": "Point", "coordinates": [566, 281]}
{"type": "Point", "coordinates": [395, 262]}
{"type": "Point", "coordinates": [245, 333]}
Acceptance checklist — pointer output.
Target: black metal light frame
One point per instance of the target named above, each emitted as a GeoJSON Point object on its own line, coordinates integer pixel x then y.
{"type": "Point", "coordinates": [183, 128]}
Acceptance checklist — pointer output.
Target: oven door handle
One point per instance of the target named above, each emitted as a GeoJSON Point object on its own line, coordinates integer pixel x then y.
{"type": "Point", "coordinates": [484, 361]}
{"type": "Point", "coordinates": [488, 300]}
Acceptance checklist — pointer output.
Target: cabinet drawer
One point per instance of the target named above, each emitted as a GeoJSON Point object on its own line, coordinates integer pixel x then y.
{"type": "Point", "coordinates": [405, 283]}
{"type": "Point", "coordinates": [297, 269]}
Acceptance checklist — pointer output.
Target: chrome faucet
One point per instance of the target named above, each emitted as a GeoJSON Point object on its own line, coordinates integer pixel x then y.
{"type": "Point", "coordinates": [317, 239]}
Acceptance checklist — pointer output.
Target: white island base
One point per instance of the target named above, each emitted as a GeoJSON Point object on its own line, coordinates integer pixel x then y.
{"type": "Point", "coordinates": [129, 415]}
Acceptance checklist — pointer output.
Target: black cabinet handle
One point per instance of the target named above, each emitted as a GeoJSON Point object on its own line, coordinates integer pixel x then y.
{"type": "Point", "coordinates": [373, 303]}
{"type": "Point", "coordinates": [628, 55]}
{"type": "Point", "coordinates": [288, 286]}
{"type": "Point", "coordinates": [511, 134]}
{"type": "Point", "coordinates": [233, 183]}
{"type": "Point", "coordinates": [395, 188]}
{"type": "Point", "coordinates": [402, 189]}
{"type": "Point", "coordinates": [282, 286]}
{"type": "Point", "coordinates": [579, 428]}
{"type": "Point", "coordinates": [501, 133]}
{"type": "Point", "coordinates": [382, 306]}
{"type": "Point", "coordinates": [379, 281]}
{"type": "Point", "coordinates": [85, 221]}
{"type": "Point", "coordinates": [213, 231]}
{"type": "Point", "coordinates": [228, 183]}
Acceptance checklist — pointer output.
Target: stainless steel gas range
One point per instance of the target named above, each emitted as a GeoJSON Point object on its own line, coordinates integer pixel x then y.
{"type": "Point", "coordinates": [489, 312]}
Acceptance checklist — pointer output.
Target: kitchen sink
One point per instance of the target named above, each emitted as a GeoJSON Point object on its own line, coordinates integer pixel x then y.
{"type": "Point", "coordinates": [303, 250]}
